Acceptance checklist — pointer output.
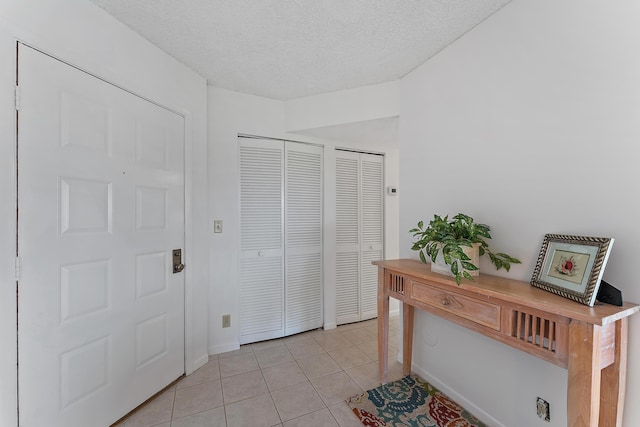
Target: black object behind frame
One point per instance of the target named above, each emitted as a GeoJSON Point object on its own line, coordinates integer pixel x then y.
{"type": "Point", "coordinates": [609, 294]}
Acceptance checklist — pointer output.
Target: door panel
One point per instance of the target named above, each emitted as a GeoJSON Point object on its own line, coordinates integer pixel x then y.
{"type": "Point", "coordinates": [347, 237]}
{"type": "Point", "coordinates": [261, 240]}
{"type": "Point", "coordinates": [303, 237]}
{"type": "Point", "coordinates": [372, 205]}
{"type": "Point", "coordinates": [359, 234]}
{"type": "Point", "coordinates": [347, 287]}
{"type": "Point", "coordinates": [369, 284]}
{"type": "Point", "coordinates": [101, 206]}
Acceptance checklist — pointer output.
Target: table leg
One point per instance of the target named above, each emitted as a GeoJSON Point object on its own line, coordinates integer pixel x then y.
{"type": "Point", "coordinates": [583, 388]}
{"type": "Point", "coordinates": [407, 338]}
{"type": "Point", "coordinates": [614, 379]}
{"type": "Point", "coordinates": [383, 328]}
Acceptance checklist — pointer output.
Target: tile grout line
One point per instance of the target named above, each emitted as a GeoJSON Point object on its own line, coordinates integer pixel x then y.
{"type": "Point", "coordinates": [282, 343]}
{"type": "Point", "coordinates": [269, 391]}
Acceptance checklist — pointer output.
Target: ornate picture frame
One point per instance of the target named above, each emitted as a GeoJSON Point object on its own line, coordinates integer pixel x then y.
{"type": "Point", "coordinates": [572, 266]}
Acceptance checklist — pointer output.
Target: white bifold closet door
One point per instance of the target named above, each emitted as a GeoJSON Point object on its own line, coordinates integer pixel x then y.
{"type": "Point", "coordinates": [280, 238]}
{"type": "Point", "coordinates": [359, 234]}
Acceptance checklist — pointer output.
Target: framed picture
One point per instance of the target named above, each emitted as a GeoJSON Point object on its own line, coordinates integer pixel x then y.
{"type": "Point", "coordinates": [572, 266]}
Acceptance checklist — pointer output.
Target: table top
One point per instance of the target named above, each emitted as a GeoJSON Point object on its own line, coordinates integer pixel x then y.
{"type": "Point", "coordinates": [516, 292]}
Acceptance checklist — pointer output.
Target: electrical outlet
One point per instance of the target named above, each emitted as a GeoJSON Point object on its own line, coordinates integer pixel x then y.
{"type": "Point", "coordinates": [226, 320]}
{"type": "Point", "coordinates": [542, 408]}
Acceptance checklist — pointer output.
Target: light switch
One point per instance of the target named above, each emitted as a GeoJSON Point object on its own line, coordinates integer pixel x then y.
{"type": "Point", "coordinates": [217, 226]}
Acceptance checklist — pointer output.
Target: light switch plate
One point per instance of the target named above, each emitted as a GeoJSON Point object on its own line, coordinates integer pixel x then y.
{"type": "Point", "coordinates": [217, 226]}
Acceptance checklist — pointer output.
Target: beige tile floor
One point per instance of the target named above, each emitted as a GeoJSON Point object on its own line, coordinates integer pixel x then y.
{"type": "Point", "coordinates": [301, 380]}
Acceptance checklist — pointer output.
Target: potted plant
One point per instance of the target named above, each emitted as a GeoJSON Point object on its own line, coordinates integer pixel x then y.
{"type": "Point", "coordinates": [451, 242]}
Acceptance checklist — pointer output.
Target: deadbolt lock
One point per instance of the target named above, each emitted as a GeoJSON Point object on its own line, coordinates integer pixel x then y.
{"type": "Point", "coordinates": [178, 266]}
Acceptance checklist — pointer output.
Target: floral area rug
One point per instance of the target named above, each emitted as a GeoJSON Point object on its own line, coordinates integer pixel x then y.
{"type": "Point", "coordinates": [410, 401]}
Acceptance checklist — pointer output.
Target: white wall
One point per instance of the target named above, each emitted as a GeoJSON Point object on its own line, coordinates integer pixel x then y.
{"type": "Point", "coordinates": [529, 123]}
{"type": "Point", "coordinates": [231, 114]}
{"type": "Point", "coordinates": [344, 106]}
{"type": "Point", "coordinates": [82, 34]}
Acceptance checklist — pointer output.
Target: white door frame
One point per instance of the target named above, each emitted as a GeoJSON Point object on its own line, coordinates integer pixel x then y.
{"type": "Point", "coordinates": [8, 306]}
{"type": "Point", "coordinates": [189, 363]}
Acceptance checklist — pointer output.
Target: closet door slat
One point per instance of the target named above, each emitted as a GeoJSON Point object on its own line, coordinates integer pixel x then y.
{"type": "Point", "coordinates": [372, 199]}
{"type": "Point", "coordinates": [347, 193]}
{"type": "Point", "coordinates": [260, 198]}
{"type": "Point", "coordinates": [347, 287]}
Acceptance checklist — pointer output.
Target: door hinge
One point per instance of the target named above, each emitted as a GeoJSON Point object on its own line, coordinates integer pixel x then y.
{"type": "Point", "coordinates": [17, 98]}
{"type": "Point", "coordinates": [18, 265]}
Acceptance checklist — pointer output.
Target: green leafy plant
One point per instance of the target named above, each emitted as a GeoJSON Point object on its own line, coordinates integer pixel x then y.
{"type": "Point", "coordinates": [449, 236]}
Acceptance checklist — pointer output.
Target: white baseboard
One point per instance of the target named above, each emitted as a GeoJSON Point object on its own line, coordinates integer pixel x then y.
{"type": "Point", "coordinates": [328, 326]}
{"type": "Point", "coordinates": [223, 348]}
{"type": "Point", "coordinates": [457, 397]}
{"type": "Point", "coordinates": [199, 362]}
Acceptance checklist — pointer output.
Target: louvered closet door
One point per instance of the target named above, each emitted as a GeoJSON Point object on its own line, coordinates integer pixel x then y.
{"type": "Point", "coordinates": [261, 240]}
{"type": "Point", "coordinates": [347, 237]}
{"type": "Point", "coordinates": [372, 199]}
{"type": "Point", "coordinates": [359, 234]}
{"type": "Point", "coordinates": [303, 237]}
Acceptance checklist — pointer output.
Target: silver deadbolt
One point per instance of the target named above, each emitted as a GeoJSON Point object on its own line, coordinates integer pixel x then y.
{"type": "Point", "coordinates": [178, 266]}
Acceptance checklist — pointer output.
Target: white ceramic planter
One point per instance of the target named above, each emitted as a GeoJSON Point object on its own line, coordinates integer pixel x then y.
{"type": "Point", "coordinates": [472, 252]}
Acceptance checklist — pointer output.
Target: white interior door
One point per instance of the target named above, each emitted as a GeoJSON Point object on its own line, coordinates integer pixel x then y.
{"type": "Point", "coordinates": [261, 239]}
{"type": "Point", "coordinates": [101, 206]}
{"type": "Point", "coordinates": [372, 234]}
{"type": "Point", "coordinates": [347, 237]}
{"type": "Point", "coordinates": [280, 238]}
{"type": "Point", "coordinates": [303, 237]}
{"type": "Point", "coordinates": [359, 234]}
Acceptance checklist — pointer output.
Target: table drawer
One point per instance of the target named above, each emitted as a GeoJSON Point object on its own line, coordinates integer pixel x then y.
{"type": "Point", "coordinates": [477, 311]}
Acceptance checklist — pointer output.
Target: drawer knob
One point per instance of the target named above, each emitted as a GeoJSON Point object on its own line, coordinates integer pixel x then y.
{"type": "Point", "coordinates": [446, 301]}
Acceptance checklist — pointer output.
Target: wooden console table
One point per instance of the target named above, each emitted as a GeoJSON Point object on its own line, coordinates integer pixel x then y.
{"type": "Point", "coordinates": [590, 342]}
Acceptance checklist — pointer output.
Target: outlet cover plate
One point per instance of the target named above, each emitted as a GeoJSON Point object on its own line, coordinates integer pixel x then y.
{"type": "Point", "coordinates": [542, 409]}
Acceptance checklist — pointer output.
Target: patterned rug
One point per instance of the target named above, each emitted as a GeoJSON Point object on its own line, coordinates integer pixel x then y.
{"type": "Point", "coordinates": [410, 401]}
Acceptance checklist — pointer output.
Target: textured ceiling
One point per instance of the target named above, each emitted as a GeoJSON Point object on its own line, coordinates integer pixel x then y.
{"type": "Point", "coordinates": [285, 49]}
